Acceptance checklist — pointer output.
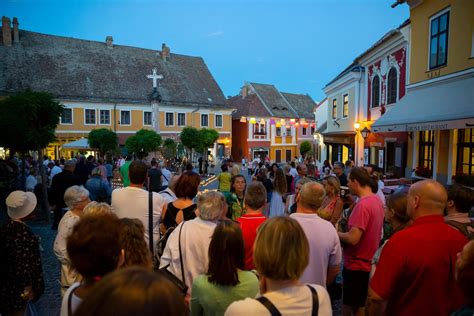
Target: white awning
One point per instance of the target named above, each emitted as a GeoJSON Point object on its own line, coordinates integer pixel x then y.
{"type": "Point", "coordinates": [82, 143]}
{"type": "Point", "coordinates": [439, 106]}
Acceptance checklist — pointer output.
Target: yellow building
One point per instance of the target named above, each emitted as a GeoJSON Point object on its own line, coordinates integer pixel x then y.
{"type": "Point", "coordinates": [438, 110]}
{"type": "Point", "coordinates": [103, 85]}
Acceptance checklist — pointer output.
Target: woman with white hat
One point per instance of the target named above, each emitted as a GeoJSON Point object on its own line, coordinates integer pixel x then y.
{"type": "Point", "coordinates": [21, 274]}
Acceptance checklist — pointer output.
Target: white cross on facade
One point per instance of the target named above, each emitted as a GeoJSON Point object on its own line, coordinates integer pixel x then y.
{"type": "Point", "coordinates": [155, 78]}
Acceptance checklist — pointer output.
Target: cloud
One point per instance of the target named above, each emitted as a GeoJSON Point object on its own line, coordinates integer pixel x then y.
{"type": "Point", "coordinates": [215, 34]}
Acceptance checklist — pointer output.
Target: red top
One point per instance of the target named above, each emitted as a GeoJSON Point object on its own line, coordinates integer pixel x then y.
{"type": "Point", "coordinates": [249, 224]}
{"type": "Point", "coordinates": [416, 269]}
{"type": "Point", "coordinates": [367, 215]}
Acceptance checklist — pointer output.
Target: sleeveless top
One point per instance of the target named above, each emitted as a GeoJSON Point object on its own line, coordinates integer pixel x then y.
{"type": "Point", "coordinates": [327, 208]}
{"type": "Point", "coordinates": [172, 211]}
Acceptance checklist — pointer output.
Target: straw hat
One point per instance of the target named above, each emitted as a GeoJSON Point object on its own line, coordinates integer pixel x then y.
{"type": "Point", "coordinates": [20, 204]}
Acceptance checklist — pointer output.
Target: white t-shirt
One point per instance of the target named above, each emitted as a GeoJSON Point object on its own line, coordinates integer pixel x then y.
{"type": "Point", "coordinates": [166, 176]}
{"type": "Point", "coordinates": [54, 171]}
{"type": "Point", "coordinates": [132, 202]}
{"type": "Point", "coordinates": [293, 172]}
{"type": "Point", "coordinates": [195, 239]}
{"type": "Point", "coordinates": [75, 301]}
{"type": "Point", "coordinates": [294, 300]}
{"type": "Point", "coordinates": [324, 247]}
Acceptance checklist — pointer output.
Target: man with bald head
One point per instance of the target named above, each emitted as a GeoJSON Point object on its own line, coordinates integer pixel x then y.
{"type": "Point", "coordinates": [415, 274]}
{"type": "Point", "coordinates": [324, 247]}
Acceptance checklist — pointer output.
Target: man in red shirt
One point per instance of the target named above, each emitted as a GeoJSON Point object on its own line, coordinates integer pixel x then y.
{"type": "Point", "coordinates": [255, 200]}
{"type": "Point", "coordinates": [415, 274]}
{"type": "Point", "coordinates": [362, 240]}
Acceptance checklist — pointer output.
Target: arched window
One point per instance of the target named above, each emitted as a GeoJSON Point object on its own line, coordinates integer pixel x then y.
{"type": "Point", "coordinates": [392, 86]}
{"type": "Point", "coordinates": [375, 91]}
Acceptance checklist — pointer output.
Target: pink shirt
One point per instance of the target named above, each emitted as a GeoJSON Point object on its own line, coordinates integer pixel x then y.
{"type": "Point", "coordinates": [324, 247]}
{"type": "Point", "coordinates": [367, 215]}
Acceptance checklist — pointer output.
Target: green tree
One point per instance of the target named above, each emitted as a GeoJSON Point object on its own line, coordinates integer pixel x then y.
{"type": "Point", "coordinates": [305, 147]}
{"type": "Point", "coordinates": [208, 137]}
{"type": "Point", "coordinates": [169, 149]}
{"type": "Point", "coordinates": [190, 138]}
{"type": "Point", "coordinates": [143, 142]}
{"type": "Point", "coordinates": [28, 121]}
{"type": "Point", "coordinates": [104, 140]}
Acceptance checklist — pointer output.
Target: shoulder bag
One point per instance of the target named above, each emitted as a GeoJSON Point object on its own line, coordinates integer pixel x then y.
{"type": "Point", "coordinates": [275, 312]}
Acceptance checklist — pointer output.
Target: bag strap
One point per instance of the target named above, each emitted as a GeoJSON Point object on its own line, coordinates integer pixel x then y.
{"type": "Point", "coordinates": [462, 227]}
{"type": "Point", "coordinates": [269, 305]}
{"type": "Point", "coordinates": [69, 301]}
{"type": "Point", "coordinates": [315, 297]}
{"type": "Point", "coordinates": [275, 312]}
{"type": "Point", "coordinates": [180, 253]}
{"type": "Point", "coordinates": [150, 222]}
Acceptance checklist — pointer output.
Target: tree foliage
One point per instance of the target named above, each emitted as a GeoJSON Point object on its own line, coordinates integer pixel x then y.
{"type": "Point", "coordinates": [208, 137]}
{"type": "Point", "coordinates": [190, 137]}
{"type": "Point", "coordinates": [169, 148]}
{"type": "Point", "coordinates": [305, 147]}
{"type": "Point", "coordinates": [103, 139]}
{"type": "Point", "coordinates": [143, 142]}
{"type": "Point", "coordinates": [28, 120]}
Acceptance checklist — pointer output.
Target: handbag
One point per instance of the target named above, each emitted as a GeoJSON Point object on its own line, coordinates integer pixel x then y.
{"type": "Point", "coordinates": [180, 284]}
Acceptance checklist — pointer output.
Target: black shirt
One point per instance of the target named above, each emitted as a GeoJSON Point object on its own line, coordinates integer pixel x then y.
{"type": "Point", "coordinates": [155, 179]}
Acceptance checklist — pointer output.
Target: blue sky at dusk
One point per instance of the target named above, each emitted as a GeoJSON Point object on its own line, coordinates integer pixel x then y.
{"type": "Point", "coordinates": [297, 45]}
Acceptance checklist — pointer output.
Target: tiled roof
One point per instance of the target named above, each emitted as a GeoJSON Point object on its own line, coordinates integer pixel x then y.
{"type": "Point", "coordinates": [247, 106]}
{"type": "Point", "coordinates": [75, 69]}
{"type": "Point", "coordinates": [302, 103]}
{"type": "Point", "coordinates": [273, 100]}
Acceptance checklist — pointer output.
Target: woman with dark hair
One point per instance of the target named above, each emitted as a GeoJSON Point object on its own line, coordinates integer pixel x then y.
{"type": "Point", "coordinates": [133, 243]}
{"type": "Point", "coordinates": [133, 291]}
{"type": "Point", "coordinates": [396, 217]}
{"type": "Point", "coordinates": [273, 170]}
{"type": "Point", "coordinates": [183, 208]}
{"type": "Point", "coordinates": [225, 281]}
{"type": "Point", "coordinates": [235, 198]}
{"type": "Point", "coordinates": [94, 250]}
{"type": "Point", "coordinates": [277, 203]}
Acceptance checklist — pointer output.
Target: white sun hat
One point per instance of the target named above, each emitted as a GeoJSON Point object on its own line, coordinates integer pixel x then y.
{"type": "Point", "coordinates": [20, 204]}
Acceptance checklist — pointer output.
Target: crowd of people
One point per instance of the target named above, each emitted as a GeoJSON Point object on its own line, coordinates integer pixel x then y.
{"type": "Point", "coordinates": [276, 245]}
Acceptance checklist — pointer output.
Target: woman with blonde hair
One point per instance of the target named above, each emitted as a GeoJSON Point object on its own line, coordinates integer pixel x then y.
{"type": "Point", "coordinates": [281, 256]}
{"type": "Point", "coordinates": [331, 209]}
{"type": "Point", "coordinates": [277, 203]}
{"type": "Point", "coordinates": [97, 208]}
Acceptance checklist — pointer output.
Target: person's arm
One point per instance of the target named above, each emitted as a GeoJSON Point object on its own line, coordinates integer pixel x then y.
{"type": "Point", "coordinates": [336, 214]}
{"type": "Point", "coordinates": [196, 308]}
{"type": "Point", "coordinates": [332, 273]}
{"type": "Point", "coordinates": [352, 237]}
{"type": "Point", "coordinates": [375, 305]}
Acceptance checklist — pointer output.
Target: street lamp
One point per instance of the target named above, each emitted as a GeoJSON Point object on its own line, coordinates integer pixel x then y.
{"type": "Point", "coordinates": [365, 132]}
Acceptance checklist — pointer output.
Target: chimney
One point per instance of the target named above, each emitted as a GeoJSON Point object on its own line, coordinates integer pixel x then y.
{"type": "Point", "coordinates": [16, 31]}
{"type": "Point", "coordinates": [109, 40]}
{"type": "Point", "coordinates": [6, 31]}
{"type": "Point", "coordinates": [244, 91]}
{"type": "Point", "coordinates": [165, 52]}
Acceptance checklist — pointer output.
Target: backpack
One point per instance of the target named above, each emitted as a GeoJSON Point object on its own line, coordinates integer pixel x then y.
{"type": "Point", "coordinates": [467, 229]}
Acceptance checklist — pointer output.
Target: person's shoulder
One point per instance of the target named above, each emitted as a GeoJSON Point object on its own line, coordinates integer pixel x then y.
{"type": "Point", "coordinates": [248, 306]}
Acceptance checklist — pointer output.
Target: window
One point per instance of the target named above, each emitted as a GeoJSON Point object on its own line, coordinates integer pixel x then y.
{"type": "Point", "coordinates": [90, 116]}
{"type": "Point", "coordinates": [439, 40]}
{"type": "Point", "coordinates": [124, 117]}
{"type": "Point", "coordinates": [426, 150]}
{"type": "Point", "coordinates": [345, 105]}
{"type": "Point", "coordinates": [465, 156]}
{"type": "Point", "coordinates": [66, 116]}
{"type": "Point", "coordinates": [304, 131]}
{"type": "Point", "coordinates": [288, 131]}
{"type": "Point", "coordinates": [181, 119]}
{"type": "Point", "coordinates": [147, 118]}
{"type": "Point", "coordinates": [218, 120]}
{"type": "Point", "coordinates": [392, 86]}
{"type": "Point", "coordinates": [313, 129]}
{"type": "Point", "coordinates": [375, 92]}
{"type": "Point", "coordinates": [169, 119]}
{"type": "Point", "coordinates": [104, 117]}
{"type": "Point", "coordinates": [278, 131]}
{"type": "Point", "coordinates": [204, 120]}
{"type": "Point", "coordinates": [334, 109]}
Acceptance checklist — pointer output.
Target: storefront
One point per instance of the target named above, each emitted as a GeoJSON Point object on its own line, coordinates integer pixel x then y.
{"type": "Point", "coordinates": [340, 147]}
